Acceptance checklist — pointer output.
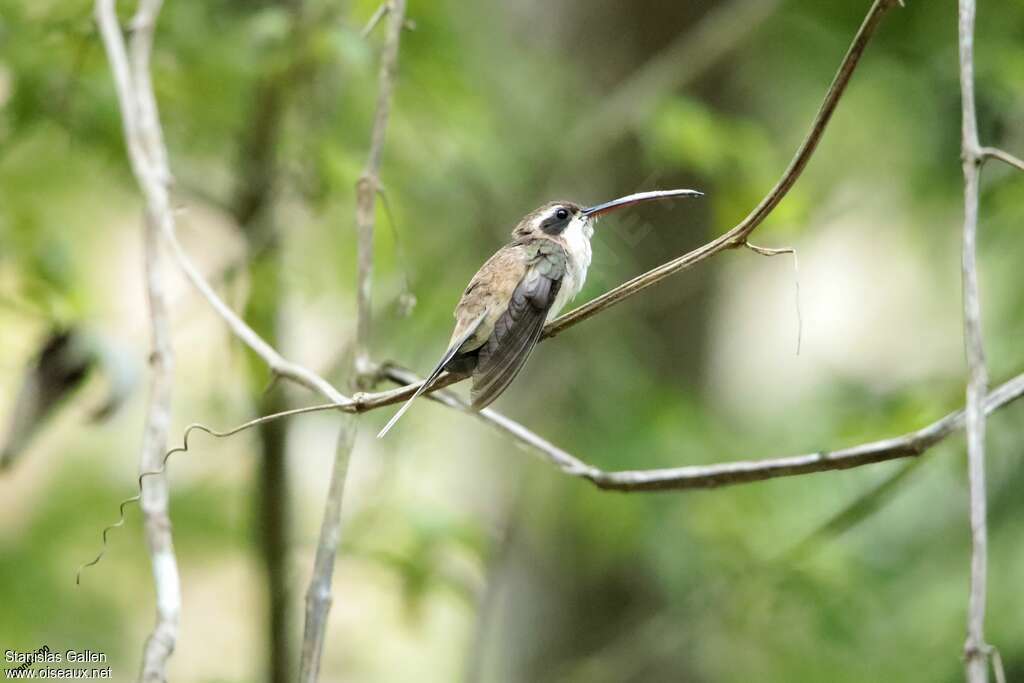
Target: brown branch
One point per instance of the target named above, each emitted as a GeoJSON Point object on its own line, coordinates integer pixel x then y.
{"type": "Point", "coordinates": [149, 161]}
{"type": "Point", "coordinates": [735, 237]}
{"type": "Point", "coordinates": [718, 475]}
{"type": "Point", "coordinates": [318, 595]}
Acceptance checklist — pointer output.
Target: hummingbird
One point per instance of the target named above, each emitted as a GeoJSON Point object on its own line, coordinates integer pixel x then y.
{"type": "Point", "coordinates": [502, 312]}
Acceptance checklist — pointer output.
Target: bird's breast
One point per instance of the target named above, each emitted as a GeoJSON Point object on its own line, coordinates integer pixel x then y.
{"type": "Point", "coordinates": [576, 241]}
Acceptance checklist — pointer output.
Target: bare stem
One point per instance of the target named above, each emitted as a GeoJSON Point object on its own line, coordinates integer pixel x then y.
{"type": "Point", "coordinates": [369, 185]}
{"type": "Point", "coordinates": [976, 651]}
{"type": "Point", "coordinates": [149, 163]}
{"type": "Point", "coordinates": [155, 491]}
{"type": "Point", "coordinates": [318, 595]}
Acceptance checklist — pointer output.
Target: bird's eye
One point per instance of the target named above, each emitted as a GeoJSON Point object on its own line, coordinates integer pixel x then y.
{"type": "Point", "coordinates": [561, 214]}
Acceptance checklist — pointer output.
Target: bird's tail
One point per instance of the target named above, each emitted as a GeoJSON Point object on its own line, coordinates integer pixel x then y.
{"type": "Point", "coordinates": [448, 355]}
{"type": "Point", "coordinates": [445, 359]}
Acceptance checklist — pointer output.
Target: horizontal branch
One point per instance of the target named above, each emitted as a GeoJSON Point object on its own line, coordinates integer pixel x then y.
{"type": "Point", "coordinates": [726, 474]}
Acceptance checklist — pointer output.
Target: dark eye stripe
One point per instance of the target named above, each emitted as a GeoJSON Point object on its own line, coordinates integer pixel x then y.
{"type": "Point", "coordinates": [556, 221]}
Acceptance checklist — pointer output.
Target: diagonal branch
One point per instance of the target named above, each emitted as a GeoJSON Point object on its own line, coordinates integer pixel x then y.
{"type": "Point", "coordinates": [735, 237]}
{"type": "Point", "coordinates": [718, 475]}
{"type": "Point", "coordinates": [738, 234]}
{"type": "Point", "coordinates": [148, 157]}
{"type": "Point", "coordinates": [150, 164]}
{"type": "Point", "coordinates": [278, 364]}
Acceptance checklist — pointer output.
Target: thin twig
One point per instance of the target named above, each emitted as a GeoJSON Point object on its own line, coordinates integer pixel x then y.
{"type": "Point", "coordinates": [149, 161]}
{"type": "Point", "coordinates": [367, 188]}
{"type": "Point", "coordinates": [725, 474]}
{"type": "Point", "coordinates": [997, 665]}
{"type": "Point", "coordinates": [183, 448]}
{"type": "Point", "coordinates": [709, 476]}
{"type": "Point", "coordinates": [768, 251]}
{"type": "Point", "coordinates": [735, 237]}
{"type": "Point", "coordinates": [152, 180]}
{"type": "Point", "coordinates": [318, 595]}
{"type": "Point", "coordinates": [378, 14]}
{"type": "Point", "coordinates": [976, 650]}
{"type": "Point", "coordinates": [681, 478]}
{"type": "Point", "coordinates": [406, 299]}
{"type": "Point", "coordinates": [738, 235]}
{"type": "Point", "coordinates": [1003, 156]}
{"type": "Point", "coordinates": [278, 364]}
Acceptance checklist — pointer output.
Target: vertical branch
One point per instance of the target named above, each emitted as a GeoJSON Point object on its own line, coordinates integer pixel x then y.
{"type": "Point", "coordinates": [155, 490]}
{"type": "Point", "coordinates": [975, 649]}
{"type": "Point", "coordinates": [318, 595]}
{"type": "Point", "coordinates": [149, 163]}
{"type": "Point", "coordinates": [368, 186]}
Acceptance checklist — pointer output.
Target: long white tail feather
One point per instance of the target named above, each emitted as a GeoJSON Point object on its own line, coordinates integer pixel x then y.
{"type": "Point", "coordinates": [448, 355]}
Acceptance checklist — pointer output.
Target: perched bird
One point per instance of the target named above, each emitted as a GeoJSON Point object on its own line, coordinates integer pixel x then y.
{"type": "Point", "coordinates": [501, 314]}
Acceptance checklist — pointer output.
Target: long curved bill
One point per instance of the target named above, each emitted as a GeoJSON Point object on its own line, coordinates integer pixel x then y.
{"type": "Point", "coordinates": [630, 199]}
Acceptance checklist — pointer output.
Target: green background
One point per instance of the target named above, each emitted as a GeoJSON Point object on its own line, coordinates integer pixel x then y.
{"type": "Point", "coordinates": [460, 551]}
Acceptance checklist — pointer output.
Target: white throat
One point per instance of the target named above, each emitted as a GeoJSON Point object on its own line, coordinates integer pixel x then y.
{"type": "Point", "coordinates": [576, 240]}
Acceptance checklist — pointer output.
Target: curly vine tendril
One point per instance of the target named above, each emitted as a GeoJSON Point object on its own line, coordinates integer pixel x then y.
{"type": "Point", "coordinates": [182, 449]}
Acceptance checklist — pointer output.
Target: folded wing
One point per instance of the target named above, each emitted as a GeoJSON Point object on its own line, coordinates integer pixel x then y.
{"type": "Point", "coordinates": [517, 330]}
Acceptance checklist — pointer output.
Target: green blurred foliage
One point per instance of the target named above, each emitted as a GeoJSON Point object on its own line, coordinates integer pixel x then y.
{"type": "Point", "coordinates": [583, 585]}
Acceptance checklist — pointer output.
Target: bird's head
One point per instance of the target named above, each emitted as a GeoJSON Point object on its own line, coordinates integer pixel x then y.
{"type": "Point", "coordinates": [562, 217]}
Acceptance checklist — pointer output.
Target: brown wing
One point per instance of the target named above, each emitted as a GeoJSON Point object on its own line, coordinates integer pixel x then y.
{"type": "Point", "coordinates": [488, 294]}
{"type": "Point", "coordinates": [515, 333]}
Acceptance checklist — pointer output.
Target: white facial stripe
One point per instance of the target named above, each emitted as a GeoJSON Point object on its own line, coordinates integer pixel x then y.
{"type": "Point", "coordinates": [576, 239]}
